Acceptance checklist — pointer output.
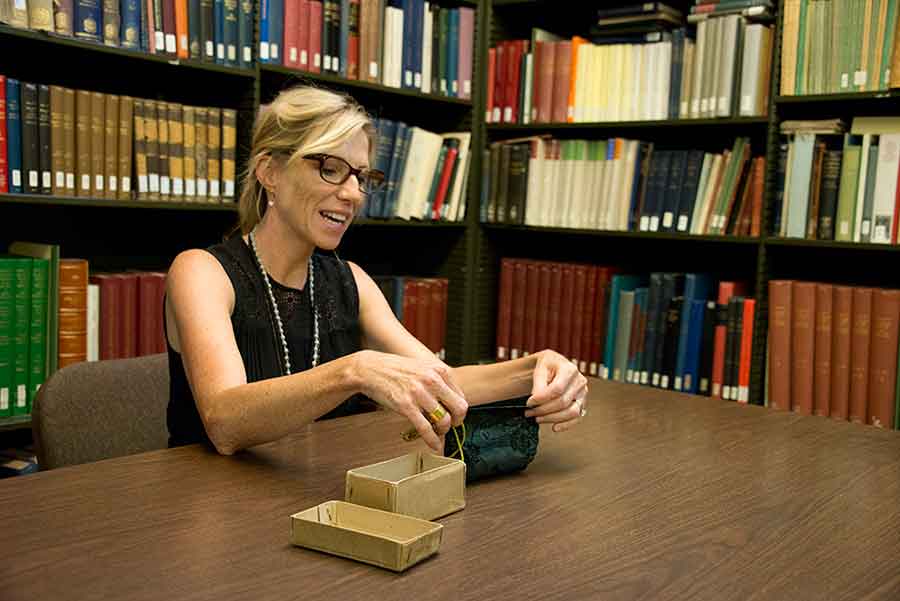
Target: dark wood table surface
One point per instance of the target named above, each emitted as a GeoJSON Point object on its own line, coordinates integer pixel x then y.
{"type": "Point", "coordinates": [655, 496]}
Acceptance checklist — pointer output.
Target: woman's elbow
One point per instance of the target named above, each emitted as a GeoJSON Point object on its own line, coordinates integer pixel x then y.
{"type": "Point", "coordinates": [220, 432]}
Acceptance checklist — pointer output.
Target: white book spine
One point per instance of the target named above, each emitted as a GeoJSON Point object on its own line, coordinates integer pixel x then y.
{"type": "Point", "coordinates": [93, 322]}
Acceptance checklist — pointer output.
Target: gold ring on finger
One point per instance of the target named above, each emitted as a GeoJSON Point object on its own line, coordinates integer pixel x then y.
{"type": "Point", "coordinates": [437, 415]}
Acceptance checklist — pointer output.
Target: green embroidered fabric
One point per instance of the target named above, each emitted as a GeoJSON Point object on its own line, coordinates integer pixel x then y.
{"type": "Point", "coordinates": [499, 439]}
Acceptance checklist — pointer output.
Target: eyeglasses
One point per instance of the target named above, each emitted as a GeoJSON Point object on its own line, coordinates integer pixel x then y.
{"type": "Point", "coordinates": [336, 170]}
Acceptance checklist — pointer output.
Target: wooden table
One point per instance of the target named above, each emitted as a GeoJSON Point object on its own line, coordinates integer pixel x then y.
{"type": "Point", "coordinates": [655, 496]}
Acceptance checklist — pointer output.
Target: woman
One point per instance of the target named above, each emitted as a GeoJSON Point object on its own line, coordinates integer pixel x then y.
{"type": "Point", "coordinates": [265, 335]}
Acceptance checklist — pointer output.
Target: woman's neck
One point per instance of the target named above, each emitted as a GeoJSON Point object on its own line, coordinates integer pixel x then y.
{"type": "Point", "coordinates": [283, 255]}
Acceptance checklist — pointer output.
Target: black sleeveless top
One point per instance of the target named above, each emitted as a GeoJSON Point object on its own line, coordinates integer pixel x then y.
{"type": "Point", "coordinates": [255, 331]}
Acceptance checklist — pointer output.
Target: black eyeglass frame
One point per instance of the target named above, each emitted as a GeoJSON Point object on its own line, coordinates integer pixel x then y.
{"type": "Point", "coordinates": [351, 170]}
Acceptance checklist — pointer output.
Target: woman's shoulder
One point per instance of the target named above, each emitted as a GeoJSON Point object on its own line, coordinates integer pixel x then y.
{"type": "Point", "coordinates": [197, 265]}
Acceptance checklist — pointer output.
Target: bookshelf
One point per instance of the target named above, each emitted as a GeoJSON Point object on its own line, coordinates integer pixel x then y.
{"type": "Point", "coordinates": [756, 260]}
{"type": "Point", "coordinates": [118, 235]}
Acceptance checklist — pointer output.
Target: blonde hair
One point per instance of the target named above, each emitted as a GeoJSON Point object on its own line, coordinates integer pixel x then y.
{"type": "Point", "coordinates": [301, 120]}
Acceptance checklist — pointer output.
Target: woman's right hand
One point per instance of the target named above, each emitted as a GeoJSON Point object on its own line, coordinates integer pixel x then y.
{"type": "Point", "coordinates": [413, 388]}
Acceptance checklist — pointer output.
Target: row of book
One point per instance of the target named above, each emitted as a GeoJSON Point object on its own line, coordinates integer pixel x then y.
{"type": "Point", "coordinates": [53, 313]}
{"type": "Point", "coordinates": [399, 43]}
{"type": "Point", "coordinates": [668, 75]}
{"type": "Point", "coordinates": [663, 329]}
{"type": "Point", "coordinates": [624, 185]}
{"type": "Point", "coordinates": [834, 184]}
{"type": "Point", "coordinates": [839, 46]}
{"type": "Point", "coordinates": [833, 351]}
{"type": "Point", "coordinates": [211, 31]}
{"type": "Point", "coordinates": [425, 173]}
{"type": "Point", "coordinates": [421, 306]}
{"type": "Point", "coordinates": [67, 142]}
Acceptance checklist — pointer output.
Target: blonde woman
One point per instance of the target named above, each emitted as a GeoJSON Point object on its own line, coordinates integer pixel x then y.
{"type": "Point", "coordinates": [266, 335]}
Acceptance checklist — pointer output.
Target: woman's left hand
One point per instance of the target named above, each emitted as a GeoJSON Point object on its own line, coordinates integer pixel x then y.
{"type": "Point", "coordinates": [558, 392]}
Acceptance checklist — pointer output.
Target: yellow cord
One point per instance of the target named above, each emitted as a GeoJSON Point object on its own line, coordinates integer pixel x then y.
{"type": "Point", "coordinates": [459, 445]}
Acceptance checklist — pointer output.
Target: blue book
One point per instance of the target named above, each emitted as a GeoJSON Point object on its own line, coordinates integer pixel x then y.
{"type": "Point", "coordinates": [406, 72]}
{"type": "Point", "coordinates": [672, 287]}
{"type": "Point", "coordinates": [400, 159]}
{"type": "Point", "coordinates": [88, 20]}
{"type": "Point", "coordinates": [398, 297]}
{"type": "Point", "coordinates": [130, 30]}
{"type": "Point", "coordinates": [219, 30]}
{"type": "Point", "coordinates": [392, 175]}
{"type": "Point", "coordinates": [245, 33]}
{"type": "Point", "coordinates": [696, 287]}
{"type": "Point", "coordinates": [276, 31]}
{"type": "Point", "coordinates": [13, 135]}
{"type": "Point", "coordinates": [643, 151]}
{"type": "Point", "coordinates": [195, 39]}
{"type": "Point", "coordinates": [620, 283]}
{"type": "Point", "coordinates": [675, 72]}
{"type": "Point", "coordinates": [672, 190]}
{"type": "Point", "coordinates": [345, 38]}
{"type": "Point", "coordinates": [387, 132]}
{"type": "Point", "coordinates": [417, 42]}
{"type": "Point", "coordinates": [231, 33]}
{"type": "Point", "coordinates": [453, 53]}
{"type": "Point", "coordinates": [264, 31]}
{"type": "Point", "coordinates": [695, 338]}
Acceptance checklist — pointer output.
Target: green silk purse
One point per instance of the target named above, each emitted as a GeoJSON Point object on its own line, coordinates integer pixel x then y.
{"type": "Point", "coordinates": [499, 439]}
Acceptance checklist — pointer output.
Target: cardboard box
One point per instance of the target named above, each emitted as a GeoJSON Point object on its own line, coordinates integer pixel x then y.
{"type": "Point", "coordinates": [419, 484]}
{"type": "Point", "coordinates": [380, 538]}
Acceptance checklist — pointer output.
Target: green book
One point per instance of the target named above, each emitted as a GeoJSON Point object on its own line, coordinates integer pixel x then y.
{"type": "Point", "coordinates": [802, 46]}
{"type": "Point", "coordinates": [7, 275]}
{"type": "Point", "coordinates": [846, 211]}
{"type": "Point", "coordinates": [883, 79]}
{"type": "Point", "coordinates": [21, 323]}
{"type": "Point", "coordinates": [50, 253]}
{"type": "Point", "coordinates": [37, 352]}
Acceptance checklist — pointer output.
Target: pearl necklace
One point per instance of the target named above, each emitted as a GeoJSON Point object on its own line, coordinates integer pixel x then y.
{"type": "Point", "coordinates": [312, 302]}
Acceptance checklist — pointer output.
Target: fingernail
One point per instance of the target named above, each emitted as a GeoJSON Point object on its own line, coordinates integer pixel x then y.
{"type": "Point", "coordinates": [539, 420]}
{"type": "Point", "coordinates": [530, 402]}
{"type": "Point", "coordinates": [529, 413]}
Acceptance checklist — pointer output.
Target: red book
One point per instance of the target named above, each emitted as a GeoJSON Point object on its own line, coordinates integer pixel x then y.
{"type": "Point", "coordinates": [883, 358]}
{"type": "Point", "coordinates": [746, 350]}
{"type": "Point", "coordinates": [543, 312]}
{"type": "Point", "coordinates": [587, 331]}
{"type": "Point", "coordinates": [531, 307]}
{"type": "Point", "coordinates": [151, 287]}
{"type": "Point", "coordinates": [444, 183]}
{"type": "Point", "coordinates": [315, 36]}
{"type": "Point", "coordinates": [491, 79]}
{"type": "Point", "coordinates": [554, 312]}
{"type": "Point", "coordinates": [780, 319]}
{"type": "Point", "coordinates": [504, 308]}
{"type": "Point", "coordinates": [824, 328]}
{"type": "Point", "coordinates": [129, 305]}
{"type": "Point", "coordinates": [424, 324]}
{"type": "Point", "coordinates": [580, 273]}
{"type": "Point", "coordinates": [291, 55]}
{"type": "Point", "coordinates": [566, 308]}
{"type": "Point", "coordinates": [726, 291]}
{"type": "Point", "coordinates": [161, 346]}
{"type": "Point", "coordinates": [499, 103]}
{"type": "Point", "coordinates": [353, 42]}
{"type": "Point", "coordinates": [110, 314]}
{"type": "Point", "coordinates": [168, 10]}
{"type": "Point", "coordinates": [562, 63]}
{"type": "Point", "coordinates": [303, 35]}
{"type": "Point", "coordinates": [803, 347]}
{"type": "Point", "coordinates": [860, 345]}
{"type": "Point", "coordinates": [4, 174]}
{"type": "Point", "coordinates": [517, 329]}
{"type": "Point", "coordinates": [842, 315]}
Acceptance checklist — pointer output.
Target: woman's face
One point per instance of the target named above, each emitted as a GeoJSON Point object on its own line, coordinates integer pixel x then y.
{"type": "Point", "coordinates": [318, 211]}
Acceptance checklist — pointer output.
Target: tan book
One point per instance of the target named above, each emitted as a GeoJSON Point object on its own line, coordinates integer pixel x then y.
{"type": "Point", "coordinates": [57, 140]}
{"type": "Point", "coordinates": [98, 153]}
{"type": "Point", "coordinates": [229, 143]}
{"type": "Point", "coordinates": [40, 14]}
{"type": "Point", "coordinates": [200, 152]}
{"type": "Point", "coordinates": [162, 124]}
{"type": "Point", "coordinates": [895, 58]}
{"type": "Point", "coordinates": [69, 139]}
{"type": "Point", "coordinates": [140, 151]}
{"type": "Point", "coordinates": [126, 135]}
{"type": "Point", "coordinates": [176, 151]}
{"type": "Point", "coordinates": [151, 149]}
{"type": "Point", "coordinates": [83, 143]}
{"type": "Point", "coordinates": [190, 161]}
{"type": "Point", "coordinates": [111, 147]}
{"type": "Point", "coordinates": [214, 156]}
